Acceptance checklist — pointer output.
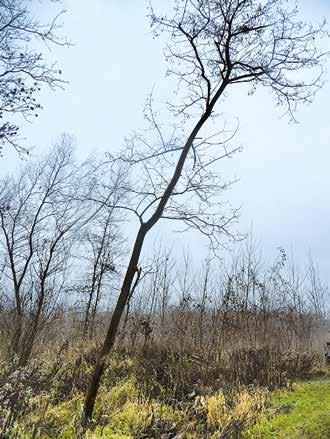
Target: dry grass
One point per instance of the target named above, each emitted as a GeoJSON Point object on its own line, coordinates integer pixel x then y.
{"type": "Point", "coordinates": [145, 393]}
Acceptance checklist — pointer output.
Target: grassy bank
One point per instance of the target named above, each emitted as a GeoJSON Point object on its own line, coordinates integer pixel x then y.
{"type": "Point", "coordinates": [303, 413]}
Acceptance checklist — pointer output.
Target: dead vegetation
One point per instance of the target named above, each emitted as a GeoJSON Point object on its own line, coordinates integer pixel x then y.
{"type": "Point", "coordinates": [189, 366]}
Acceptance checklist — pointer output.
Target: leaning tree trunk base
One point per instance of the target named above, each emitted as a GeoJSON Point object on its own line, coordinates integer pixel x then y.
{"type": "Point", "coordinates": [92, 393]}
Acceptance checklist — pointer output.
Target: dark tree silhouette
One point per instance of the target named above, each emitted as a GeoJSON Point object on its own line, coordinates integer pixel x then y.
{"type": "Point", "coordinates": [23, 69]}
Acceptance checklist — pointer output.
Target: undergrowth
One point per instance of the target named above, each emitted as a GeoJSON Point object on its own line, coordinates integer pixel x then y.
{"type": "Point", "coordinates": [154, 394]}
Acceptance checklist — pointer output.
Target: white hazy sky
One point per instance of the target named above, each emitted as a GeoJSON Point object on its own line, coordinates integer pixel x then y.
{"type": "Point", "coordinates": [284, 173]}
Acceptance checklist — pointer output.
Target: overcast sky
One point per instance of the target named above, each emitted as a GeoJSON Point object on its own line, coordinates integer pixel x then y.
{"type": "Point", "coordinates": [284, 168]}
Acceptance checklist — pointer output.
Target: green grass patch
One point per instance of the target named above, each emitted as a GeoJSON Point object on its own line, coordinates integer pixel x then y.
{"type": "Point", "coordinates": [303, 413]}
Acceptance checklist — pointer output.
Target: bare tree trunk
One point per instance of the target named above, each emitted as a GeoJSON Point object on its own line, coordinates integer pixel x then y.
{"type": "Point", "coordinates": [18, 332]}
{"type": "Point", "coordinates": [29, 339]}
{"type": "Point", "coordinates": [113, 327]}
{"type": "Point", "coordinates": [94, 308]}
{"type": "Point", "coordinates": [89, 304]}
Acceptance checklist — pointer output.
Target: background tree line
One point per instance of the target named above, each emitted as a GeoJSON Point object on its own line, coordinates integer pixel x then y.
{"type": "Point", "coordinates": [63, 253]}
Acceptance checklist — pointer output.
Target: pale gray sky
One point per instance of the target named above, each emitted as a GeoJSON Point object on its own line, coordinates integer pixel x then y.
{"type": "Point", "coordinates": [284, 169]}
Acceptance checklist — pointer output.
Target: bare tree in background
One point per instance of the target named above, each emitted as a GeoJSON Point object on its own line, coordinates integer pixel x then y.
{"type": "Point", "coordinates": [104, 249]}
{"type": "Point", "coordinates": [23, 67]}
{"type": "Point", "coordinates": [41, 211]}
{"type": "Point", "coordinates": [214, 45]}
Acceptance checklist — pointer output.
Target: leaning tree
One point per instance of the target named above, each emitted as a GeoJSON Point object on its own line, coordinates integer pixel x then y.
{"type": "Point", "coordinates": [213, 46]}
